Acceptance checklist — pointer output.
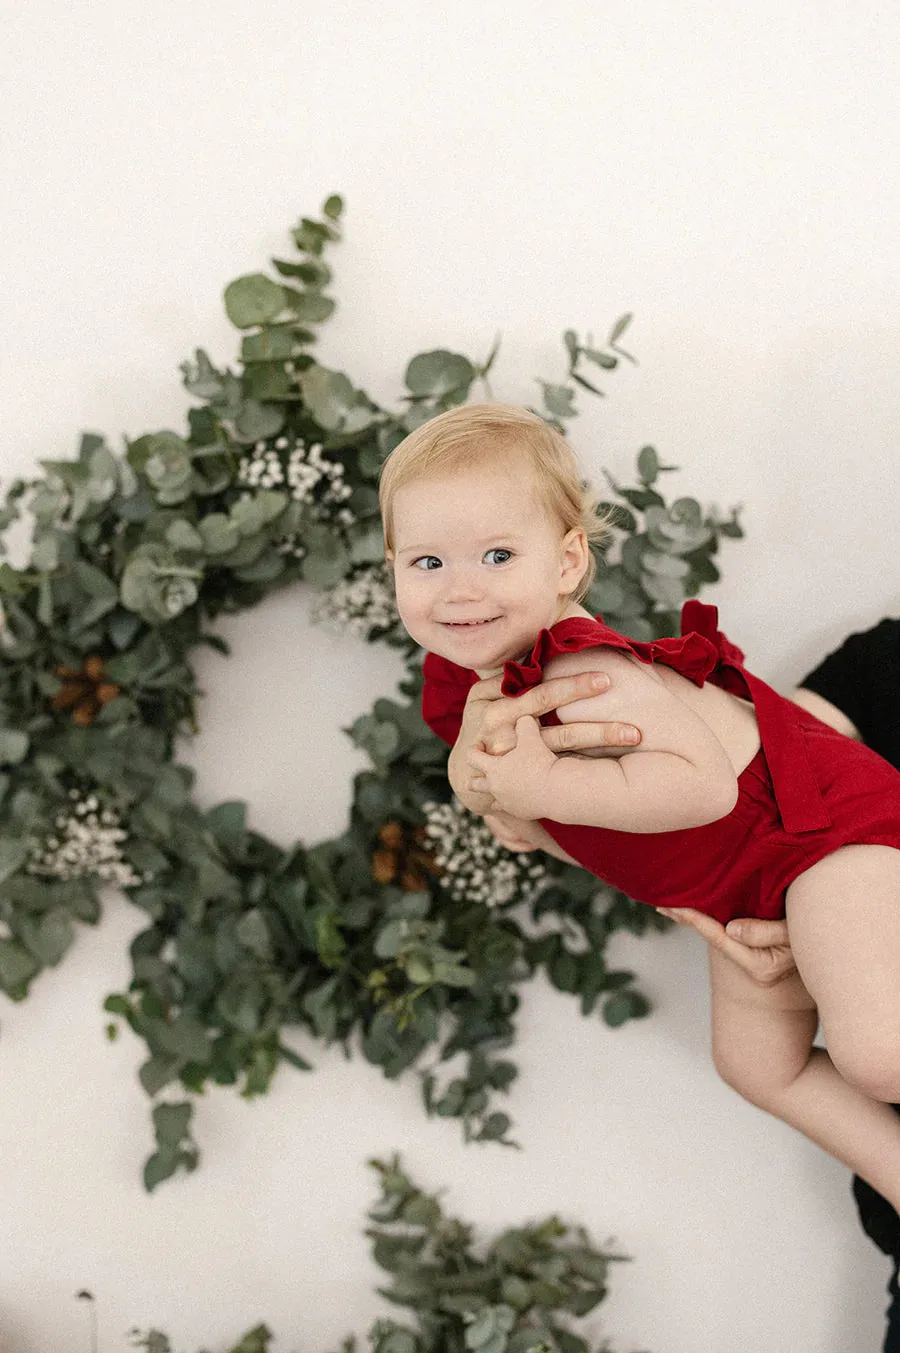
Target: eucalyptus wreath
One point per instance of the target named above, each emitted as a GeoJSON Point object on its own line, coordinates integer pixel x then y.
{"type": "Point", "coordinates": [407, 935]}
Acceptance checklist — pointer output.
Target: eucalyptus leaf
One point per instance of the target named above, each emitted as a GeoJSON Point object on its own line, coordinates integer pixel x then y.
{"type": "Point", "coordinates": [49, 937]}
{"type": "Point", "coordinates": [188, 1038]}
{"type": "Point", "coordinates": [17, 967]}
{"type": "Point", "coordinates": [308, 307]}
{"type": "Point", "coordinates": [46, 552]}
{"type": "Point", "coordinates": [13, 746]}
{"type": "Point", "coordinates": [256, 421]}
{"type": "Point", "coordinates": [605, 360]}
{"type": "Point", "coordinates": [254, 299]}
{"type": "Point", "coordinates": [559, 400]}
{"type": "Point", "coordinates": [181, 535]}
{"type": "Point", "coordinates": [326, 560]}
{"type": "Point", "coordinates": [13, 854]}
{"type": "Point", "coordinates": [159, 1167]}
{"type": "Point", "coordinates": [664, 565]}
{"type": "Point", "coordinates": [253, 933]}
{"type": "Point", "coordinates": [228, 823]}
{"type": "Point", "coordinates": [665, 590]}
{"type": "Point", "coordinates": [217, 533]}
{"type": "Point", "coordinates": [440, 373]}
{"type": "Point", "coordinates": [201, 378]}
{"type": "Point", "coordinates": [95, 582]}
{"type": "Point", "coordinates": [269, 345]}
{"type": "Point", "coordinates": [648, 465]}
{"type": "Point", "coordinates": [158, 1072]}
{"type": "Point", "coordinates": [367, 547]}
{"type": "Point", "coordinates": [329, 396]}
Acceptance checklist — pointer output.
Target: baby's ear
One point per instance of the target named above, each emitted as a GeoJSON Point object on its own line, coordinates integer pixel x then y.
{"type": "Point", "coordinates": [574, 561]}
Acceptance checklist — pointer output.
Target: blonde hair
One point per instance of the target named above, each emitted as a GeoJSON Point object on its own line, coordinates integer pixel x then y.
{"type": "Point", "coordinates": [474, 433]}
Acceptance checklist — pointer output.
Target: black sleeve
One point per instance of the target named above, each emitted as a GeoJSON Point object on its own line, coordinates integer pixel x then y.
{"type": "Point", "coordinates": [862, 678]}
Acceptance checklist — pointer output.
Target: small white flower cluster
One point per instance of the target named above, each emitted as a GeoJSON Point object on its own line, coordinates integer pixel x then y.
{"type": "Point", "coordinates": [474, 866]}
{"type": "Point", "coordinates": [87, 841]}
{"type": "Point", "coordinates": [309, 474]}
{"type": "Point", "coordinates": [262, 469]}
{"type": "Point", "coordinates": [362, 603]}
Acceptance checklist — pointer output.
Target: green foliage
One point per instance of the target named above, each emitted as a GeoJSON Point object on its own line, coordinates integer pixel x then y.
{"type": "Point", "coordinates": [273, 480]}
{"type": "Point", "coordinates": [523, 1292]}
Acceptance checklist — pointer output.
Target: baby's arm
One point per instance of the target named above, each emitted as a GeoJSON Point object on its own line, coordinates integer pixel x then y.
{"type": "Point", "coordinates": [680, 777]}
{"type": "Point", "coordinates": [489, 722]}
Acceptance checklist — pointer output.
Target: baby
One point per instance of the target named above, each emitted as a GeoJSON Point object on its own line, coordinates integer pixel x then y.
{"type": "Point", "coordinates": [735, 802]}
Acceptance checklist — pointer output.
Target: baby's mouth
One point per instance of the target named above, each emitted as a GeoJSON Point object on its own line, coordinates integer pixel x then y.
{"type": "Point", "coordinates": [468, 624]}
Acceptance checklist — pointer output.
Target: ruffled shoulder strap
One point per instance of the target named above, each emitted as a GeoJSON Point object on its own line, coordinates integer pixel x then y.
{"type": "Point", "coordinates": [696, 654]}
{"type": "Point", "coordinates": [797, 793]}
{"type": "Point", "coordinates": [698, 618]}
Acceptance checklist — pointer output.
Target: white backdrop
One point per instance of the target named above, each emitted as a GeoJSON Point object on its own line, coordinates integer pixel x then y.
{"type": "Point", "coordinates": [730, 174]}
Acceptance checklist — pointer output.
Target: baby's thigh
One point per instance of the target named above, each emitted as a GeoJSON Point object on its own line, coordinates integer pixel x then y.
{"type": "Point", "coordinates": [844, 921]}
{"type": "Point", "coordinates": [761, 1036]}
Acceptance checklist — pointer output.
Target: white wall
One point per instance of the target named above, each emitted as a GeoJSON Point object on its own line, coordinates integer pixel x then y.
{"type": "Point", "coordinates": [728, 172]}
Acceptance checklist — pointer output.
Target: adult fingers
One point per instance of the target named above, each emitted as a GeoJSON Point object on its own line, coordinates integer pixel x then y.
{"type": "Point", "coordinates": [496, 714]}
{"type": "Point", "coordinates": [500, 716]}
{"type": "Point", "coordinates": [712, 930]}
{"type": "Point", "coordinates": [758, 934]}
{"type": "Point", "coordinates": [574, 737]}
{"type": "Point", "coordinates": [767, 964]}
{"type": "Point", "coordinates": [490, 688]}
{"type": "Point", "coordinates": [558, 691]}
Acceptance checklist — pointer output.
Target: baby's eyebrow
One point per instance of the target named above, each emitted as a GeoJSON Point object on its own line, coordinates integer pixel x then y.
{"type": "Point", "coordinates": [495, 538]}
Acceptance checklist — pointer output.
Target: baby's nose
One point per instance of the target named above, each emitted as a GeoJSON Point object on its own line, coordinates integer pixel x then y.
{"type": "Point", "coordinates": [464, 584]}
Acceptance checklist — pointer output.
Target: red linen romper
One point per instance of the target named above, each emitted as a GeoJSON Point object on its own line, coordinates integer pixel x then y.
{"type": "Point", "coordinates": [807, 791]}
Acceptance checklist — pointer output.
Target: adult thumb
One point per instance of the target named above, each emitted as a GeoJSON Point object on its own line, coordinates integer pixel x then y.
{"type": "Point", "coordinates": [756, 933]}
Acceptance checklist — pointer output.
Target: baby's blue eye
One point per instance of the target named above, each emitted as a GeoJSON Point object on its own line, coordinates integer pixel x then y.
{"type": "Point", "coordinates": [501, 556]}
{"type": "Point", "coordinates": [427, 562]}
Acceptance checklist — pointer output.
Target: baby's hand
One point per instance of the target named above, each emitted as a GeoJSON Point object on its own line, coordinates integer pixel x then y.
{"type": "Point", "coordinates": [516, 781]}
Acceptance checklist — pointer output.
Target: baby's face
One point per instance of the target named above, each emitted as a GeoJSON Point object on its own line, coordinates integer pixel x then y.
{"type": "Point", "coordinates": [480, 566]}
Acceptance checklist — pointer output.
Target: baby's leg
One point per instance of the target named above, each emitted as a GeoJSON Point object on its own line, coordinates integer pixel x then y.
{"type": "Point", "coordinates": [763, 1048]}
{"type": "Point", "coordinates": [844, 920]}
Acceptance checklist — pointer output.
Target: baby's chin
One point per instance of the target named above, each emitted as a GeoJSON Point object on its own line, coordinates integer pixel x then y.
{"type": "Point", "coordinates": [484, 660]}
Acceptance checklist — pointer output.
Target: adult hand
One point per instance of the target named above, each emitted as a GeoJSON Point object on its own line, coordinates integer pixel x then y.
{"type": "Point", "coordinates": [514, 833]}
{"type": "Point", "coordinates": [762, 949]}
{"type": "Point", "coordinates": [489, 724]}
{"type": "Point", "coordinates": [523, 837]}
